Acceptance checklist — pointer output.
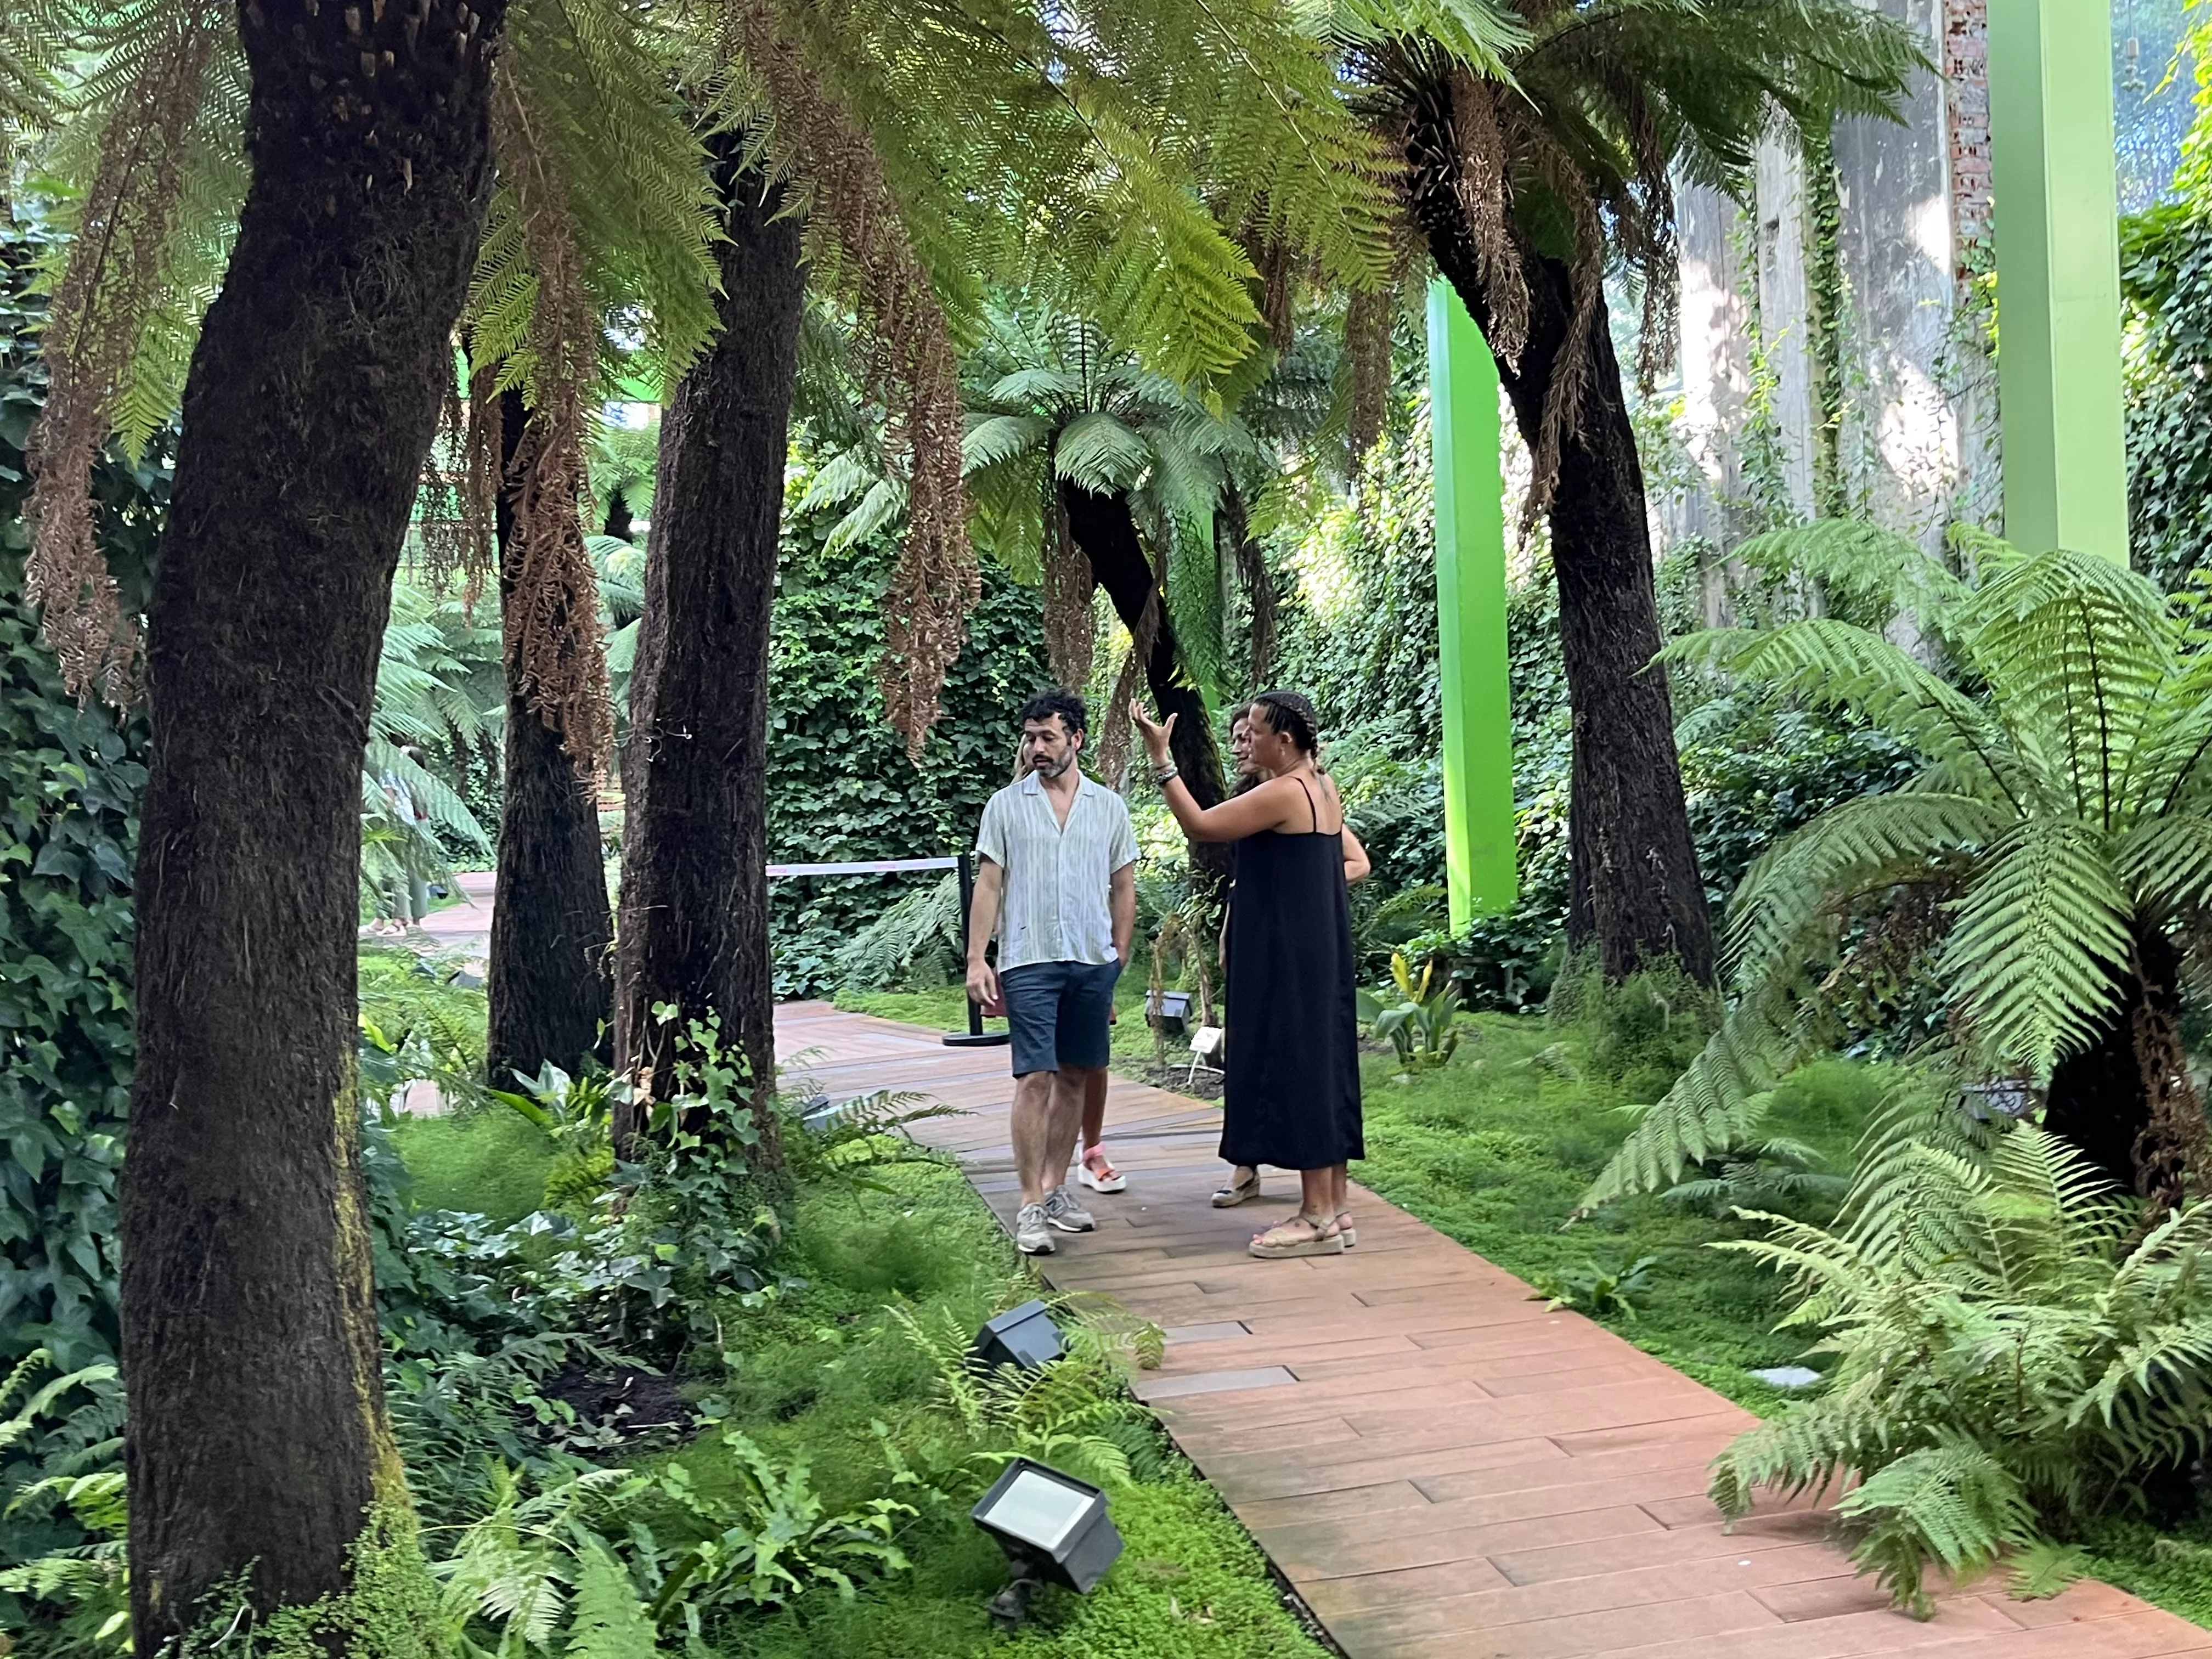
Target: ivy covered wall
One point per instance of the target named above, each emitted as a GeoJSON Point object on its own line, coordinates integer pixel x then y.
{"type": "Point", "coordinates": [70, 779]}
{"type": "Point", "coordinates": [841, 786]}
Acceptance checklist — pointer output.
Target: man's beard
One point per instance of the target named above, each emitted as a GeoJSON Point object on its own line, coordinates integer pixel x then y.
{"type": "Point", "coordinates": [1045, 767]}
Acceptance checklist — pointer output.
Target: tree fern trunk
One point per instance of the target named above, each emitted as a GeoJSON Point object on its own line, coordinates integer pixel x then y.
{"type": "Point", "coordinates": [549, 982]}
{"type": "Point", "coordinates": [1638, 894]}
{"type": "Point", "coordinates": [1106, 532]}
{"type": "Point", "coordinates": [258, 1438]}
{"type": "Point", "coordinates": [695, 907]}
{"type": "Point", "coordinates": [2100, 1098]}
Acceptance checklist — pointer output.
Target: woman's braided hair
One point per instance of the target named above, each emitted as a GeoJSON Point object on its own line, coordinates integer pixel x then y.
{"type": "Point", "coordinates": [1290, 714]}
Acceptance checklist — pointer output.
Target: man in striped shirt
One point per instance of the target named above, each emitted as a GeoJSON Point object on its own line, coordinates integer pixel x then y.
{"type": "Point", "coordinates": [1058, 882]}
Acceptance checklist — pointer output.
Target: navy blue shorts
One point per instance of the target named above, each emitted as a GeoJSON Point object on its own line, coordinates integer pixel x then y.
{"type": "Point", "coordinates": [1057, 1012]}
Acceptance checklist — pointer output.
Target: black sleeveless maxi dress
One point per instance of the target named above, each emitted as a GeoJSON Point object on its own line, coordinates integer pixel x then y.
{"type": "Point", "coordinates": [1292, 1095]}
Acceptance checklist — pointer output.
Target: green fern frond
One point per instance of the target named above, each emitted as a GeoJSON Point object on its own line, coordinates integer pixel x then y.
{"type": "Point", "coordinates": [1851, 848]}
{"type": "Point", "coordinates": [1833, 664]}
{"type": "Point", "coordinates": [1717, 1102]}
{"type": "Point", "coordinates": [1194, 605]}
{"type": "Point", "coordinates": [608, 1622]}
{"type": "Point", "coordinates": [2040, 939]}
{"type": "Point", "coordinates": [995, 440]}
{"type": "Point", "coordinates": [1869, 566]}
{"type": "Point", "coordinates": [1098, 452]}
{"type": "Point", "coordinates": [2168, 860]}
{"type": "Point", "coordinates": [1952, 1503]}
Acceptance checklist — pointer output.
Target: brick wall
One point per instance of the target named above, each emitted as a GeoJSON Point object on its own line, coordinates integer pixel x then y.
{"type": "Point", "coordinates": [1966, 75]}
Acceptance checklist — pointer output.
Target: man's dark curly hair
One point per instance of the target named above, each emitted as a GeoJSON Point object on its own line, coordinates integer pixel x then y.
{"type": "Point", "coordinates": [1058, 700]}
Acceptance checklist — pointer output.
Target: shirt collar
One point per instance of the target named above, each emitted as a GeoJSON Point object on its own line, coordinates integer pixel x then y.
{"type": "Point", "coordinates": [1031, 784]}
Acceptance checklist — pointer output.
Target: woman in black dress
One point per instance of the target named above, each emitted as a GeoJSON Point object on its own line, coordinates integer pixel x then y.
{"type": "Point", "coordinates": [1293, 1083]}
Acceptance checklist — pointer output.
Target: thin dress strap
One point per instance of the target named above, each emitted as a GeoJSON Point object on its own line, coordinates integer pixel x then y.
{"type": "Point", "coordinates": [1313, 812]}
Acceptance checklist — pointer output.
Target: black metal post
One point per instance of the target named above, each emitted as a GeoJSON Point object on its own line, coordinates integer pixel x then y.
{"type": "Point", "coordinates": [975, 1036]}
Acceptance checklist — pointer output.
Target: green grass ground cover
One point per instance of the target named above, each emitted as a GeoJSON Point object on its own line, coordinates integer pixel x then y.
{"type": "Point", "coordinates": [821, 1371]}
{"type": "Point", "coordinates": [492, 1162]}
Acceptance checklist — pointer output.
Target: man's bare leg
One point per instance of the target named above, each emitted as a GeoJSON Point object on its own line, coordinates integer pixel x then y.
{"type": "Point", "coordinates": [1070, 1084]}
{"type": "Point", "coordinates": [1094, 1110]}
{"type": "Point", "coordinates": [1034, 1140]}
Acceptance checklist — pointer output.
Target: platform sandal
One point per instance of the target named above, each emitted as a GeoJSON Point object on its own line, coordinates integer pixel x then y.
{"type": "Point", "coordinates": [1105, 1179]}
{"type": "Point", "coordinates": [1280, 1241]}
{"type": "Point", "coordinates": [1237, 1192]}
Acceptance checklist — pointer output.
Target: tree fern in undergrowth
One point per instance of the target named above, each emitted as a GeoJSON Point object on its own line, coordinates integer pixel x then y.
{"type": "Point", "coordinates": [2042, 865]}
{"type": "Point", "coordinates": [2015, 1351]}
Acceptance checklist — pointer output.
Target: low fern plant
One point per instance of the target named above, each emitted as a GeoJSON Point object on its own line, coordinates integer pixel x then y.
{"type": "Point", "coordinates": [2017, 1345]}
{"type": "Point", "coordinates": [2041, 866]}
{"type": "Point", "coordinates": [1074, 1414]}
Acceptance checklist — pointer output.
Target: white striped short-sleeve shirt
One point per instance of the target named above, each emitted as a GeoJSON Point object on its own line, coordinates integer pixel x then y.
{"type": "Point", "coordinates": [1052, 907]}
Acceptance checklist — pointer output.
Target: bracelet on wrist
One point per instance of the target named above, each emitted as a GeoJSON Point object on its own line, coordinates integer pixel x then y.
{"type": "Point", "coordinates": [1164, 770]}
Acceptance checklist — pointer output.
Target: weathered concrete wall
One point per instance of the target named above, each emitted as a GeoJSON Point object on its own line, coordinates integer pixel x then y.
{"type": "Point", "coordinates": [1907, 418]}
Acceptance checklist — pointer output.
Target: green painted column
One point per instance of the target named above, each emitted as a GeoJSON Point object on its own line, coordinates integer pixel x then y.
{"type": "Point", "coordinates": [1473, 663]}
{"type": "Point", "coordinates": [2059, 276]}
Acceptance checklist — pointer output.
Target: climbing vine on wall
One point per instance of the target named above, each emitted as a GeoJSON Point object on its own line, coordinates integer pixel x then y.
{"type": "Point", "coordinates": [839, 786]}
{"type": "Point", "coordinates": [2166, 277]}
{"type": "Point", "coordinates": [70, 779]}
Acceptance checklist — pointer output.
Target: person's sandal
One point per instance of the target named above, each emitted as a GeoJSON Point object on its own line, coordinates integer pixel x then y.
{"type": "Point", "coordinates": [1103, 1177]}
{"type": "Point", "coordinates": [1237, 1192]}
{"type": "Point", "coordinates": [1344, 1230]}
{"type": "Point", "coordinates": [1280, 1241]}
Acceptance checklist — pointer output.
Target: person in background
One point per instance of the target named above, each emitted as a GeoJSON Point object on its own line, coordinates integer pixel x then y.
{"type": "Point", "coordinates": [1093, 1168]}
{"type": "Point", "coordinates": [1057, 882]}
{"type": "Point", "coordinates": [1292, 1096]}
{"type": "Point", "coordinates": [1243, 1183]}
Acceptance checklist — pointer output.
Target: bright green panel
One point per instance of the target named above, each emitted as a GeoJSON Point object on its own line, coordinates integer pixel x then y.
{"type": "Point", "coordinates": [1473, 664]}
{"type": "Point", "coordinates": [2058, 275]}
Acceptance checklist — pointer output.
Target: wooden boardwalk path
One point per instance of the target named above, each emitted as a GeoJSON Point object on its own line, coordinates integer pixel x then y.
{"type": "Point", "coordinates": [1442, 1468]}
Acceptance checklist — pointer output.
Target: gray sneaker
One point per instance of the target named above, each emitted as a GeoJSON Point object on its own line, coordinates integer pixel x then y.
{"type": "Point", "coordinates": [1064, 1212]}
{"type": "Point", "coordinates": [1031, 1235]}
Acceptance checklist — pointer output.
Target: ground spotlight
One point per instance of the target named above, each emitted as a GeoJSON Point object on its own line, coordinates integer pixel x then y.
{"type": "Point", "coordinates": [1023, 1336]}
{"type": "Point", "coordinates": [1054, 1530]}
{"type": "Point", "coordinates": [1168, 1011]}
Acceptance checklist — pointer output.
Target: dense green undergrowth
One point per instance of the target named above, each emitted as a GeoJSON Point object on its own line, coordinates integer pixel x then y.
{"type": "Point", "coordinates": [827, 1370]}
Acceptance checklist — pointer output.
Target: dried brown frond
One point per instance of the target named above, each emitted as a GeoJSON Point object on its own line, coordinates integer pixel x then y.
{"type": "Point", "coordinates": [460, 476]}
{"type": "Point", "coordinates": [1367, 324]}
{"type": "Point", "coordinates": [2172, 1151]}
{"type": "Point", "coordinates": [858, 238]}
{"type": "Point", "coordinates": [1569, 377]}
{"type": "Point", "coordinates": [1485, 192]}
{"type": "Point", "coordinates": [1071, 627]}
{"type": "Point", "coordinates": [1644, 220]}
{"type": "Point", "coordinates": [556, 651]}
{"type": "Point", "coordinates": [110, 285]}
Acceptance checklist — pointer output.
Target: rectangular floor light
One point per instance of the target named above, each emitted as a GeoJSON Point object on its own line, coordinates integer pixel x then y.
{"type": "Point", "coordinates": [1054, 1530]}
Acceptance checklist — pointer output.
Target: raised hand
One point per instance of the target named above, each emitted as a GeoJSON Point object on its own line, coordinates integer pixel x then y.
{"type": "Point", "coordinates": [1155, 736]}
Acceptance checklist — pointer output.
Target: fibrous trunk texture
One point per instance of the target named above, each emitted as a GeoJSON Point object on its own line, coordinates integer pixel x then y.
{"type": "Point", "coordinates": [1105, 529]}
{"type": "Point", "coordinates": [548, 980]}
{"type": "Point", "coordinates": [258, 1434]}
{"type": "Point", "coordinates": [1637, 895]}
{"type": "Point", "coordinates": [695, 907]}
{"type": "Point", "coordinates": [2128, 1100]}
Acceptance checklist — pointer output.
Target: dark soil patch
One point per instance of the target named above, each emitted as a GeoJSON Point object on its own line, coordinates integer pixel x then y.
{"type": "Point", "coordinates": [625, 1402]}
